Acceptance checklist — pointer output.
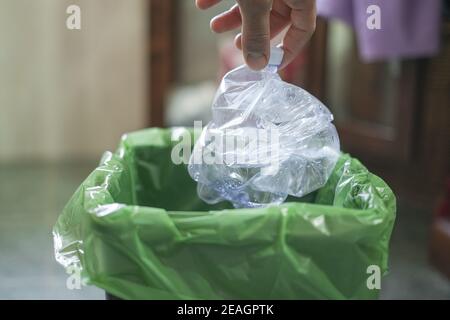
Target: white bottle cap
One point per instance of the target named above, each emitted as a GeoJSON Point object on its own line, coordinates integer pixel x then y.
{"type": "Point", "coordinates": [276, 56]}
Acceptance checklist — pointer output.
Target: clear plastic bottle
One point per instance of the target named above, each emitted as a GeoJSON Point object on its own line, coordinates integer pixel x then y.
{"type": "Point", "coordinates": [267, 139]}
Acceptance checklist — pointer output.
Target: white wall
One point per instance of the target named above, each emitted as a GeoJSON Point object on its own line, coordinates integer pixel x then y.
{"type": "Point", "coordinates": [70, 94]}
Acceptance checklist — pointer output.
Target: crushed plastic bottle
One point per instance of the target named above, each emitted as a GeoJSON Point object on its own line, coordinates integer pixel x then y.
{"type": "Point", "coordinates": [267, 139]}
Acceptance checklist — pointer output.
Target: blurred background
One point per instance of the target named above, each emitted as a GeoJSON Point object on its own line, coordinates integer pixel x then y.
{"type": "Point", "coordinates": [66, 96]}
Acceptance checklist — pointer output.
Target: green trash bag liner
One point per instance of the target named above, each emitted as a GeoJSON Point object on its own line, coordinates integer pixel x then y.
{"type": "Point", "coordinates": [136, 228]}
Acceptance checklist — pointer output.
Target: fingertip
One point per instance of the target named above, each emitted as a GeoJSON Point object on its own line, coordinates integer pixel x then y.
{"type": "Point", "coordinates": [200, 4]}
{"type": "Point", "coordinates": [256, 52]}
{"type": "Point", "coordinates": [226, 21]}
{"type": "Point", "coordinates": [213, 25]}
{"type": "Point", "coordinates": [219, 23]}
{"type": "Point", "coordinates": [206, 4]}
{"type": "Point", "coordinates": [256, 61]}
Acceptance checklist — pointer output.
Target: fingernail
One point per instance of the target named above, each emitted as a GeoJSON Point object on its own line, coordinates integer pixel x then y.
{"type": "Point", "coordinates": [256, 60]}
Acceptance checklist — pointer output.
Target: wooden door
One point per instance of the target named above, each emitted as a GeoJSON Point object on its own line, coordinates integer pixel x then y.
{"type": "Point", "coordinates": [163, 17]}
{"type": "Point", "coordinates": [394, 115]}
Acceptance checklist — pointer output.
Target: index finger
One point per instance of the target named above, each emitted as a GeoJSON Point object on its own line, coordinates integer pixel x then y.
{"type": "Point", "coordinates": [255, 32]}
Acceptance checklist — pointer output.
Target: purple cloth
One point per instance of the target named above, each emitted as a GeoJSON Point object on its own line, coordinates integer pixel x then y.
{"type": "Point", "coordinates": [409, 28]}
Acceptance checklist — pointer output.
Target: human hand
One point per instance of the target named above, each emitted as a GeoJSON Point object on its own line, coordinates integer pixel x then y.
{"type": "Point", "coordinates": [262, 20]}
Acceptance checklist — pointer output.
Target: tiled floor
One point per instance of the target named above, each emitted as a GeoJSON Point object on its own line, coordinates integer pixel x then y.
{"type": "Point", "coordinates": [411, 276]}
{"type": "Point", "coordinates": [31, 198]}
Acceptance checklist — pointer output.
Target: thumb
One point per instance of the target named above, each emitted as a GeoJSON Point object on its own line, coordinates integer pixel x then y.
{"type": "Point", "coordinates": [255, 32]}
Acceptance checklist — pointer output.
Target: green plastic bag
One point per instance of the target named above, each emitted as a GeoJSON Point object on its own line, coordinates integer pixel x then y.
{"type": "Point", "coordinates": [136, 228]}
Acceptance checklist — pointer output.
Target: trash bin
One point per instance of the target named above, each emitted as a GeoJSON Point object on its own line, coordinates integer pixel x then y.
{"type": "Point", "coordinates": [136, 228]}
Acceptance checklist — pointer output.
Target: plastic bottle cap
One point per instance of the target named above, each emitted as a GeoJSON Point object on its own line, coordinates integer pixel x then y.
{"type": "Point", "coordinates": [276, 56]}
